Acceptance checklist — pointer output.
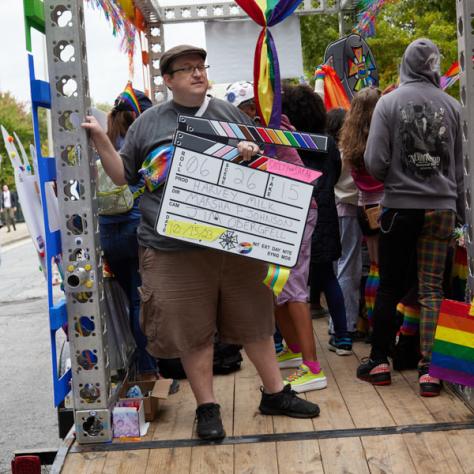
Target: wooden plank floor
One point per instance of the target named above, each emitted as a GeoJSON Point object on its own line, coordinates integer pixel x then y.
{"type": "Point", "coordinates": [347, 403]}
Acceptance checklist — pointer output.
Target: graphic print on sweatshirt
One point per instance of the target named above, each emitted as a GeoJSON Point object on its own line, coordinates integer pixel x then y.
{"type": "Point", "coordinates": [424, 150]}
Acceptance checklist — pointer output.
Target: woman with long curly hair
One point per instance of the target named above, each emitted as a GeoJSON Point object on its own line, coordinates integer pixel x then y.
{"type": "Point", "coordinates": [354, 134]}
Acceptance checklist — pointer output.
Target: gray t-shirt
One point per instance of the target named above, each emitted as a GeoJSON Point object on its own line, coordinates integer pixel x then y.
{"type": "Point", "coordinates": [152, 129]}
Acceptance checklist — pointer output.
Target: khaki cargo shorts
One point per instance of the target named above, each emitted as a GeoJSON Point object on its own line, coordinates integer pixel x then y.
{"type": "Point", "coordinates": [189, 295]}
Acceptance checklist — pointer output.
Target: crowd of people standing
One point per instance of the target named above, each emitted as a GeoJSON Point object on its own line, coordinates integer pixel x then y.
{"type": "Point", "coordinates": [391, 181]}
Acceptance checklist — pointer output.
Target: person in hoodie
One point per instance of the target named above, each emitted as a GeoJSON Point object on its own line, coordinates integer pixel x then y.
{"type": "Point", "coordinates": [414, 148]}
{"type": "Point", "coordinates": [291, 308]}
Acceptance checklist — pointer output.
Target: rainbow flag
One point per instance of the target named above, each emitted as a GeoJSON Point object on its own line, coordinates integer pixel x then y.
{"type": "Point", "coordinates": [276, 278]}
{"type": "Point", "coordinates": [267, 83]}
{"type": "Point", "coordinates": [451, 76]}
{"type": "Point", "coordinates": [453, 349]}
{"type": "Point", "coordinates": [128, 96]}
{"type": "Point", "coordinates": [328, 82]}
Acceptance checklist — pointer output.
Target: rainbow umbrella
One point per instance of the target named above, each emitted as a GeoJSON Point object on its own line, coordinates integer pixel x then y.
{"type": "Point", "coordinates": [266, 70]}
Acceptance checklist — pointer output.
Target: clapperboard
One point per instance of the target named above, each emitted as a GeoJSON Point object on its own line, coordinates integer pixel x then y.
{"type": "Point", "coordinates": [213, 199]}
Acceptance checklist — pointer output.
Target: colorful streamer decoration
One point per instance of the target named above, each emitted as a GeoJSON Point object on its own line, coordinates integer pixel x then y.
{"type": "Point", "coordinates": [366, 18]}
{"type": "Point", "coordinates": [125, 19]}
{"type": "Point", "coordinates": [276, 278]}
{"type": "Point", "coordinates": [330, 87]}
{"type": "Point", "coordinates": [267, 83]}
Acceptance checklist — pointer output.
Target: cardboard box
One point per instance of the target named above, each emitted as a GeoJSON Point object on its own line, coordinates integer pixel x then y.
{"type": "Point", "coordinates": [153, 392]}
{"type": "Point", "coordinates": [128, 419]}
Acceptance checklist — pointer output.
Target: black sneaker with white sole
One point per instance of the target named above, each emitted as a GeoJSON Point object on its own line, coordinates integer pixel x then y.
{"type": "Point", "coordinates": [340, 345]}
{"type": "Point", "coordinates": [287, 403]}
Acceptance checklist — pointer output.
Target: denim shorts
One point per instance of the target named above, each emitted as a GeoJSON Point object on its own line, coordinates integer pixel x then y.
{"type": "Point", "coordinates": [188, 296]}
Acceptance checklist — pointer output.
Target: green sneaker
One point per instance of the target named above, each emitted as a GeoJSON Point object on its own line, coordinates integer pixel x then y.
{"type": "Point", "coordinates": [288, 360]}
{"type": "Point", "coordinates": [303, 380]}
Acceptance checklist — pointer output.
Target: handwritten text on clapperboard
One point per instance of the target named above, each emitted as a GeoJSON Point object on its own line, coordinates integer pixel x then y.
{"type": "Point", "coordinates": [230, 207]}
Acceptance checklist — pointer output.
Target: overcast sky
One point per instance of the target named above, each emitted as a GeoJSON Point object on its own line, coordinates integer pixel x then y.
{"type": "Point", "coordinates": [108, 66]}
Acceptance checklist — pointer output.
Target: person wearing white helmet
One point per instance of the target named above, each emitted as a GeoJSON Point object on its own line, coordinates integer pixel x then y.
{"type": "Point", "coordinates": [241, 95]}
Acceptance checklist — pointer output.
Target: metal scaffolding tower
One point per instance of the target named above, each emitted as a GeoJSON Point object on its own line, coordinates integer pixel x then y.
{"type": "Point", "coordinates": [93, 393]}
{"type": "Point", "coordinates": [465, 14]}
{"type": "Point", "coordinates": [74, 172]}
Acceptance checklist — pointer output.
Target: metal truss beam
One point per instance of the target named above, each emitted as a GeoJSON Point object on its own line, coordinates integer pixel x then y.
{"type": "Point", "coordinates": [465, 12]}
{"type": "Point", "coordinates": [76, 185]}
{"type": "Point", "coordinates": [231, 11]}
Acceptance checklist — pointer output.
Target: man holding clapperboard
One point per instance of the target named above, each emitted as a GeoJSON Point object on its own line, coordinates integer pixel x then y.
{"type": "Point", "coordinates": [189, 292]}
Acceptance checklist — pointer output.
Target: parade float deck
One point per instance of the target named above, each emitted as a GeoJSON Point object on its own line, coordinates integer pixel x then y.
{"type": "Point", "coordinates": [361, 429]}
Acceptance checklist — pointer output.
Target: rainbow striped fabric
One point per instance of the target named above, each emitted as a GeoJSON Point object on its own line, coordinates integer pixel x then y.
{"type": "Point", "coordinates": [267, 83]}
{"type": "Point", "coordinates": [237, 131]}
{"type": "Point", "coordinates": [459, 274]}
{"type": "Point", "coordinates": [276, 278]}
{"type": "Point", "coordinates": [411, 319]}
{"type": "Point", "coordinates": [371, 287]}
{"type": "Point", "coordinates": [453, 349]}
{"type": "Point", "coordinates": [128, 96]}
{"type": "Point", "coordinates": [451, 76]}
{"type": "Point", "coordinates": [156, 167]}
{"type": "Point", "coordinates": [334, 94]}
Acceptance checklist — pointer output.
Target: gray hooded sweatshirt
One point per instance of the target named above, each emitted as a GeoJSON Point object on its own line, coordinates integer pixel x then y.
{"type": "Point", "coordinates": [414, 145]}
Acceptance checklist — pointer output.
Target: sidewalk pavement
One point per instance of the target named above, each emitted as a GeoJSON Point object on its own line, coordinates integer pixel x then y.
{"type": "Point", "coordinates": [20, 233]}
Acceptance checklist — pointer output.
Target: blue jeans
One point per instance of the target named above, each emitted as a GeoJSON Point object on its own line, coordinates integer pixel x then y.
{"type": "Point", "coordinates": [323, 279]}
{"type": "Point", "coordinates": [349, 268]}
{"type": "Point", "coordinates": [120, 246]}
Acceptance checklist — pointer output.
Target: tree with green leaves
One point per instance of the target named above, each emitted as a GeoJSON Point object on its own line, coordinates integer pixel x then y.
{"type": "Point", "coordinates": [397, 25]}
{"type": "Point", "coordinates": [16, 117]}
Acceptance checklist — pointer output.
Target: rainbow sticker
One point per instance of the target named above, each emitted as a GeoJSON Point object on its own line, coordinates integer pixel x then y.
{"type": "Point", "coordinates": [245, 248]}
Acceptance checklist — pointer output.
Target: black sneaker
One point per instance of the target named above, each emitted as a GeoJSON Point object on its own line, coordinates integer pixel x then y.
{"type": "Point", "coordinates": [209, 422]}
{"type": "Point", "coordinates": [287, 403]}
{"type": "Point", "coordinates": [429, 386]}
{"type": "Point", "coordinates": [377, 372]}
{"type": "Point", "coordinates": [340, 345]}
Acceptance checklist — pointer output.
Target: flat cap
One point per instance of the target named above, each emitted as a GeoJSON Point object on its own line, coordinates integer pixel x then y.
{"type": "Point", "coordinates": [174, 53]}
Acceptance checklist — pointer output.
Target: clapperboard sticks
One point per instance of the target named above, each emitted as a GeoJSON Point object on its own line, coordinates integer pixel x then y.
{"type": "Point", "coordinates": [237, 131]}
{"type": "Point", "coordinates": [209, 147]}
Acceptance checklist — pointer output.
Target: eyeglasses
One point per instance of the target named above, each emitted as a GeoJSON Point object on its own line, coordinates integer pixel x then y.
{"type": "Point", "coordinates": [188, 70]}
